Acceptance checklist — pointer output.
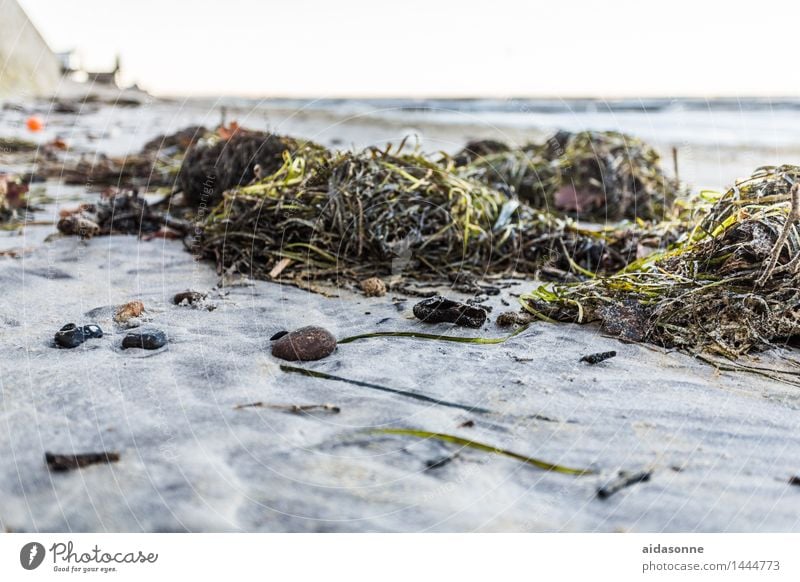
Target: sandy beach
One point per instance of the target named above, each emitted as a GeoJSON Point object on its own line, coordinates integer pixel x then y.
{"type": "Point", "coordinates": [720, 447]}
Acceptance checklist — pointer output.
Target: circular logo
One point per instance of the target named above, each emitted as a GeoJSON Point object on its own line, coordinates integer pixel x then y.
{"type": "Point", "coordinates": [31, 555]}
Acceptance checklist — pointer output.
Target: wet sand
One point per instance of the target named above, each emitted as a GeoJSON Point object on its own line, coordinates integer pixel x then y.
{"type": "Point", "coordinates": [721, 446]}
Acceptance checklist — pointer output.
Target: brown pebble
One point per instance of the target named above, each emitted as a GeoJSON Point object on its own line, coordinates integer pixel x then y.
{"type": "Point", "coordinates": [78, 225]}
{"type": "Point", "coordinates": [304, 344]}
{"type": "Point", "coordinates": [513, 318]}
{"type": "Point", "coordinates": [189, 296]}
{"type": "Point", "coordinates": [129, 311]}
{"type": "Point", "coordinates": [373, 287]}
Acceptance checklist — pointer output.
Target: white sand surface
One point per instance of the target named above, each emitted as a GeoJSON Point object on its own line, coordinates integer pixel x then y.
{"type": "Point", "coordinates": [721, 446]}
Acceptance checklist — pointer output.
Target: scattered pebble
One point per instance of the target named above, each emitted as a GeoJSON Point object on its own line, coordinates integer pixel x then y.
{"type": "Point", "coordinates": [130, 310]}
{"type": "Point", "coordinates": [442, 310]}
{"type": "Point", "coordinates": [146, 340]}
{"type": "Point", "coordinates": [373, 287]}
{"type": "Point", "coordinates": [77, 225]}
{"type": "Point", "coordinates": [278, 335]}
{"type": "Point", "coordinates": [188, 297]}
{"type": "Point", "coordinates": [794, 480]}
{"type": "Point", "coordinates": [71, 336]}
{"type": "Point", "coordinates": [92, 330]}
{"type": "Point", "coordinates": [60, 463]}
{"type": "Point", "coordinates": [304, 344]}
{"type": "Point", "coordinates": [598, 357]}
{"type": "Point", "coordinates": [508, 318]}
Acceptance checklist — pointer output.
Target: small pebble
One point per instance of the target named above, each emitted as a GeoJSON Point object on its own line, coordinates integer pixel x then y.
{"type": "Point", "coordinates": [373, 287]}
{"type": "Point", "coordinates": [304, 344]}
{"type": "Point", "coordinates": [70, 336]}
{"type": "Point", "coordinates": [188, 297]}
{"type": "Point", "coordinates": [146, 340]}
{"type": "Point", "coordinates": [508, 318]}
{"type": "Point", "coordinates": [92, 330]}
{"type": "Point", "coordinates": [129, 311]}
{"type": "Point", "coordinates": [278, 335]}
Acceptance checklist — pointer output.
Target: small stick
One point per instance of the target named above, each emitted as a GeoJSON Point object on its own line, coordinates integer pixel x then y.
{"type": "Point", "coordinates": [279, 267]}
{"type": "Point", "coordinates": [791, 220]}
{"type": "Point", "coordinates": [295, 408]}
{"type": "Point", "coordinates": [623, 480]}
{"type": "Point", "coordinates": [61, 463]}
{"type": "Point", "coordinates": [675, 162]}
{"type": "Point", "coordinates": [599, 357]}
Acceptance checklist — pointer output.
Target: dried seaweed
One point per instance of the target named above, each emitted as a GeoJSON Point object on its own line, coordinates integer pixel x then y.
{"type": "Point", "coordinates": [730, 286]}
{"type": "Point", "coordinates": [592, 175]}
{"type": "Point", "coordinates": [155, 165]}
{"type": "Point", "coordinates": [351, 215]}
{"type": "Point", "coordinates": [212, 166]}
{"type": "Point", "coordinates": [122, 212]}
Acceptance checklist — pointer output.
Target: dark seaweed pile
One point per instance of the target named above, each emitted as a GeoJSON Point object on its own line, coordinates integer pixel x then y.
{"type": "Point", "coordinates": [213, 166]}
{"type": "Point", "coordinates": [381, 213]}
{"type": "Point", "coordinates": [731, 286]}
{"type": "Point", "coordinates": [596, 176]}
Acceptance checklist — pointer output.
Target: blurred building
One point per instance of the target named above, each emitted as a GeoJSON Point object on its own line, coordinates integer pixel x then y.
{"type": "Point", "coordinates": [27, 65]}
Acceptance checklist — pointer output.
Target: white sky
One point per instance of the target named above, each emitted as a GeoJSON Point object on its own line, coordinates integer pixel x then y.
{"type": "Point", "coordinates": [500, 48]}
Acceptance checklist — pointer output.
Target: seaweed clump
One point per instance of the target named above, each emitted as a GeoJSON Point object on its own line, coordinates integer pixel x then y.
{"type": "Point", "coordinates": [730, 286]}
{"type": "Point", "coordinates": [233, 158]}
{"type": "Point", "coordinates": [13, 192]}
{"type": "Point", "coordinates": [155, 165]}
{"type": "Point", "coordinates": [120, 212]}
{"type": "Point", "coordinates": [378, 212]}
{"type": "Point", "coordinates": [591, 175]}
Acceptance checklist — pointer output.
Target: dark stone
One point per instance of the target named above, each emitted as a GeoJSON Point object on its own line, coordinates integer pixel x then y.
{"type": "Point", "coordinates": [304, 344]}
{"type": "Point", "coordinates": [442, 310]}
{"type": "Point", "coordinates": [189, 297]}
{"type": "Point", "coordinates": [146, 340]}
{"type": "Point", "coordinates": [70, 336]}
{"type": "Point", "coordinates": [278, 335]}
{"type": "Point", "coordinates": [92, 330]}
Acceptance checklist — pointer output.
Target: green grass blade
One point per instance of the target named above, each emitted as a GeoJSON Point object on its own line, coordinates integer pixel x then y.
{"type": "Point", "coordinates": [432, 336]}
{"type": "Point", "coordinates": [448, 438]}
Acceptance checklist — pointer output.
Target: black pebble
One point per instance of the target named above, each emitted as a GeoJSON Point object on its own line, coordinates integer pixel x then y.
{"type": "Point", "coordinates": [146, 340]}
{"type": "Point", "coordinates": [92, 330]}
{"type": "Point", "coordinates": [278, 335]}
{"type": "Point", "coordinates": [70, 336]}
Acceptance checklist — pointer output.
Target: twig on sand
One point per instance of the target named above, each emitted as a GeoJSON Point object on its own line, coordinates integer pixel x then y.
{"type": "Point", "coordinates": [621, 481]}
{"type": "Point", "coordinates": [293, 408]}
{"type": "Point", "coordinates": [791, 220]}
{"type": "Point", "coordinates": [598, 357]}
{"type": "Point", "coordinates": [60, 463]}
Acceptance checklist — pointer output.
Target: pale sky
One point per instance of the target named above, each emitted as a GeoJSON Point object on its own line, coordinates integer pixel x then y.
{"type": "Point", "coordinates": [458, 48]}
